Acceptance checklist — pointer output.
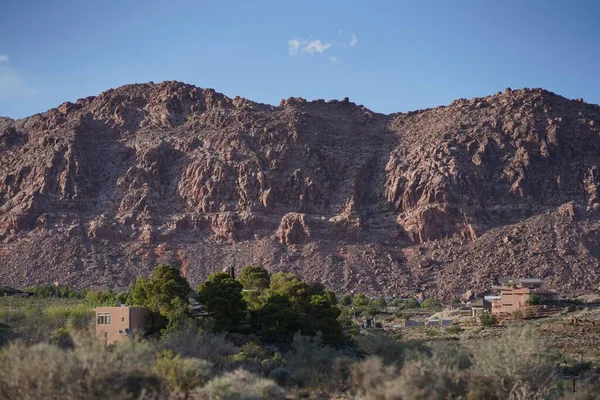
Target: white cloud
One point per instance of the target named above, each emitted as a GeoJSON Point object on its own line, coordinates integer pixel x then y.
{"type": "Point", "coordinates": [312, 47]}
{"type": "Point", "coordinates": [3, 58]}
{"type": "Point", "coordinates": [294, 46]}
{"type": "Point", "coordinates": [315, 46]}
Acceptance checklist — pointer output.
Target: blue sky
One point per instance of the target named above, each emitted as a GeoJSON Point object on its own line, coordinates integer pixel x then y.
{"type": "Point", "coordinates": [387, 55]}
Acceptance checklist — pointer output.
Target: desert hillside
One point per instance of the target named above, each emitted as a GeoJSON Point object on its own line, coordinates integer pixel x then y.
{"type": "Point", "coordinates": [439, 201]}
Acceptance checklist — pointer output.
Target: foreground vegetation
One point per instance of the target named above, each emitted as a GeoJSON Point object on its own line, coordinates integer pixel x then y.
{"type": "Point", "coordinates": [261, 337]}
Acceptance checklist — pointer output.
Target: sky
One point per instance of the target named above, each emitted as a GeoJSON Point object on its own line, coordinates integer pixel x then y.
{"type": "Point", "coordinates": [389, 56]}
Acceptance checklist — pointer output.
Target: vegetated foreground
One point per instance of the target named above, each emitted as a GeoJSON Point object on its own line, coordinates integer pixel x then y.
{"type": "Point", "coordinates": [48, 349]}
{"type": "Point", "coordinates": [440, 201]}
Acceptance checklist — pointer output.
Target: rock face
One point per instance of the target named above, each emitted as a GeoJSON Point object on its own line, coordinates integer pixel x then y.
{"type": "Point", "coordinates": [438, 201]}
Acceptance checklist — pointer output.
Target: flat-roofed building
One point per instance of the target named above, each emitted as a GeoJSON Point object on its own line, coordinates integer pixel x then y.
{"type": "Point", "coordinates": [117, 324]}
{"type": "Point", "coordinates": [516, 294]}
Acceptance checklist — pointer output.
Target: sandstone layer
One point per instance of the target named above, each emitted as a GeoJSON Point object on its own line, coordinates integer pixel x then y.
{"type": "Point", "coordinates": [439, 201]}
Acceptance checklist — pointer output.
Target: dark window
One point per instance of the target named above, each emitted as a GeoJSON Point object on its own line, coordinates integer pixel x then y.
{"type": "Point", "coordinates": [103, 319]}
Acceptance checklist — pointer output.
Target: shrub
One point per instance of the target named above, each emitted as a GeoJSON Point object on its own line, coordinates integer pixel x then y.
{"type": "Point", "coordinates": [487, 319]}
{"type": "Point", "coordinates": [431, 332]}
{"type": "Point", "coordinates": [448, 354]}
{"type": "Point", "coordinates": [384, 347]}
{"type": "Point", "coordinates": [534, 299]}
{"type": "Point", "coordinates": [281, 375]}
{"type": "Point", "coordinates": [418, 379]}
{"type": "Point", "coordinates": [518, 363]}
{"type": "Point", "coordinates": [360, 300]}
{"type": "Point", "coordinates": [379, 304]}
{"type": "Point", "coordinates": [431, 304]}
{"type": "Point", "coordinates": [45, 291]}
{"type": "Point", "coordinates": [529, 314]}
{"type": "Point", "coordinates": [89, 371]}
{"type": "Point", "coordinates": [182, 374]}
{"type": "Point", "coordinates": [454, 329]}
{"type": "Point", "coordinates": [310, 361]}
{"type": "Point", "coordinates": [412, 303]}
{"type": "Point", "coordinates": [370, 379]}
{"type": "Point", "coordinates": [251, 351]}
{"type": "Point", "coordinates": [517, 314]}
{"type": "Point", "coordinates": [242, 385]}
{"type": "Point", "coordinates": [190, 342]}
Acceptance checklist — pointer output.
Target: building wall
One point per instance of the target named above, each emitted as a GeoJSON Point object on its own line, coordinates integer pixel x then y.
{"type": "Point", "coordinates": [515, 299]}
{"type": "Point", "coordinates": [122, 320]}
{"type": "Point", "coordinates": [140, 319]}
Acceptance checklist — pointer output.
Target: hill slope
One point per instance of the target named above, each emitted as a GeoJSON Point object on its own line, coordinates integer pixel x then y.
{"type": "Point", "coordinates": [439, 201]}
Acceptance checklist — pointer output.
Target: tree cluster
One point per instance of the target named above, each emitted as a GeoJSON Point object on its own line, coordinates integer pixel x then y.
{"type": "Point", "coordinates": [275, 307]}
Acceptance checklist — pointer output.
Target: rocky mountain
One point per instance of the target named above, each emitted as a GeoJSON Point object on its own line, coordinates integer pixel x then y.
{"type": "Point", "coordinates": [439, 201]}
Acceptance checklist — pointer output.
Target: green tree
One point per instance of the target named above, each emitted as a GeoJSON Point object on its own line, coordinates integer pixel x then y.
{"type": "Point", "coordinates": [314, 305]}
{"type": "Point", "coordinates": [138, 293]}
{"type": "Point", "coordinates": [346, 300]}
{"type": "Point", "coordinates": [412, 303]}
{"type": "Point", "coordinates": [166, 284]}
{"type": "Point", "coordinates": [95, 298]}
{"type": "Point", "coordinates": [165, 293]}
{"type": "Point", "coordinates": [379, 304]}
{"type": "Point", "coordinates": [277, 320]}
{"type": "Point", "coordinates": [255, 281]}
{"type": "Point", "coordinates": [360, 300]}
{"type": "Point", "coordinates": [222, 297]}
{"type": "Point", "coordinates": [255, 278]}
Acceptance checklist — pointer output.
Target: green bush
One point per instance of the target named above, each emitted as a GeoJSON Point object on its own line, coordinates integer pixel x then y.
{"type": "Point", "coordinates": [360, 300]}
{"type": "Point", "coordinates": [182, 374]}
{"type": "Point", "coordinates": [432, 332]}
{"type": "Point", "coordinates": [431, 304]}
{"type": "Point", "coordinates": [534, 299]}
{"type": "Point", "coordinates": [454, 329]}
{"type": "Point", "coordinates": [382, 346]}
{"type": "Point", "coordinates": [517, 315]}
{"type": "Point", "coordinates": [487, 319]}
{"type": "Point", "coordinates": [62, 291]}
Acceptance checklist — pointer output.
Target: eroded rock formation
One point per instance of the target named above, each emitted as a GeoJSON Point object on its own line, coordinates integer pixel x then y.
{"type": "Point", "coordinates": [96, 192]}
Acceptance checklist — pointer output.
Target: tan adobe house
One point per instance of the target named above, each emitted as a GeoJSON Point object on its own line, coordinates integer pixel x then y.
{"type": "Point", "coordinates": [515, 293]}
{"type": "Point", "coordinates": [118, 324]}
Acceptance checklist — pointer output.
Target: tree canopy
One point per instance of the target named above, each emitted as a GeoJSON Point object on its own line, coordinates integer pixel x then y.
{"type": "Point", "coordinates": [166, 293]}
{"type": "Point", "coordinates": [221, 294]}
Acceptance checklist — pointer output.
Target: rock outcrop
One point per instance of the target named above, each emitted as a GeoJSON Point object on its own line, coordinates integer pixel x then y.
{"type": "Point", "coordinates": [439, 201]}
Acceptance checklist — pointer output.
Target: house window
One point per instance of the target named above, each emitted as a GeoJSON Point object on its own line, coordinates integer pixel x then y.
{"type": "Point", "coordinates": [506, 305]}
{"type": "Point", "coordinates": [103, 319]}
{"type": "Point", "coordinates": [122, 319]}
